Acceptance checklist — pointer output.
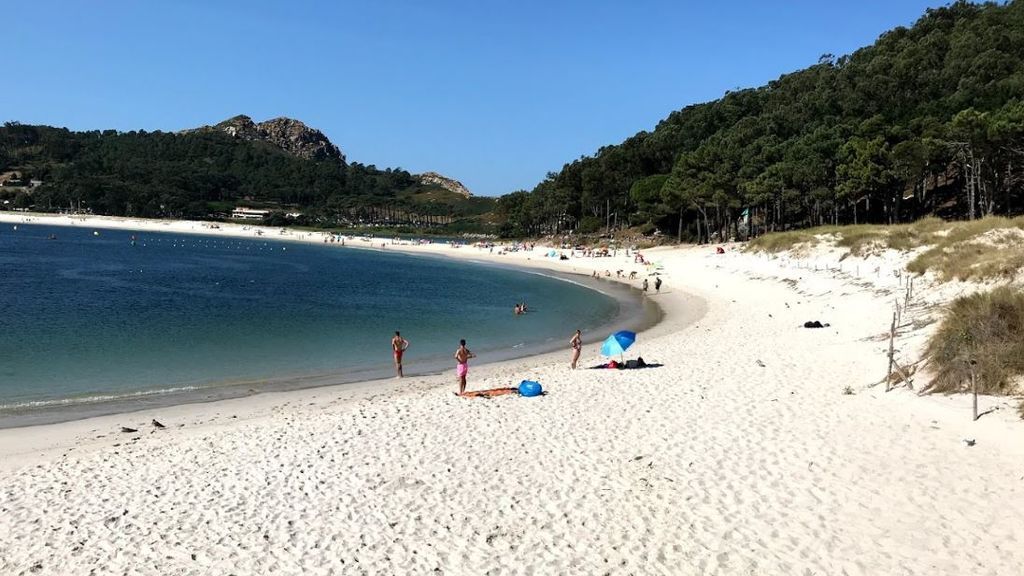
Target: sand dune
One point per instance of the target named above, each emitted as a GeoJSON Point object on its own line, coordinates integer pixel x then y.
{"type": "Point", "coordinates": [740, 455]}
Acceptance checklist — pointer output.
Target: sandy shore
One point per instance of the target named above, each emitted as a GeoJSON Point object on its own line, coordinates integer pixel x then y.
{"type": "Point", "coordinates": [757, 448]}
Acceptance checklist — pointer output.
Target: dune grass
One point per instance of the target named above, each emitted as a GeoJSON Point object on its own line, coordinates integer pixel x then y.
{"type": "Point", "coordinates": [860, 239]}
{"type": "Point", "coordinates": [983, 333]}
{"type": "Point", "coordinates": [782, 241]}
{"type": "Point", "coordinates": [988, 248]}
{"type": "Point", "coordinates": [864, 238]}
{"type": "Point", "coordinates": [981, 249]}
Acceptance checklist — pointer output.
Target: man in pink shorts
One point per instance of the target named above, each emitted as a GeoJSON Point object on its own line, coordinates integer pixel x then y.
{"type": "Point", "coordinates": [462, 356]}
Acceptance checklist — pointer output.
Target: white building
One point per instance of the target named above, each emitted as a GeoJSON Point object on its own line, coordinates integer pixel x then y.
{"type": "Point", "coordinates": [249, 213]}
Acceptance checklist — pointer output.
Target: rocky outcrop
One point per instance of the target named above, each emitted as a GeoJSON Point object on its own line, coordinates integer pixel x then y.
{"type": "Point", "coordinates": [240, 126]}
{"type": "Point", "coordinates": [444, 182]}
{"type": "Point", "coordinates": [291, 136]}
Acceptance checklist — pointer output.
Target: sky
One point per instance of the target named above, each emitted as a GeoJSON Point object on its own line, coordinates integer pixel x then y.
{"type": "Point", "coordinates": [494, 94]}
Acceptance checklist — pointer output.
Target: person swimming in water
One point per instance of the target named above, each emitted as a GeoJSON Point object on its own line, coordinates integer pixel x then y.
{"type": "Point", "coordinates": [462, 356]}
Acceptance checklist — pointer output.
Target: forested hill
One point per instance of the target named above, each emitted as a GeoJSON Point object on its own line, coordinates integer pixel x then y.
{"type": "Point", "coordinates": [929, 119]}
{"type": "Point", "coordinates": [280, 165]}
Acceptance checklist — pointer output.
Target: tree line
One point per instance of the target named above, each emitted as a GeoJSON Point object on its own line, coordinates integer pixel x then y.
{"type": "Point", "coordinates": [206, 173]}
{"type": "Point", "coordinates": [927, 120]}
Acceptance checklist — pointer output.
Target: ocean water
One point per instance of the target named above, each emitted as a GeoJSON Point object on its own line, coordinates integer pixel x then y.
{"type": "Point", "coordinates": [87, 318]}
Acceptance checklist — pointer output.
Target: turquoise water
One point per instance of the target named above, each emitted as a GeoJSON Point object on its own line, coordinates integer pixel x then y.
{"type": "Point", "coordinates": [88, 318]}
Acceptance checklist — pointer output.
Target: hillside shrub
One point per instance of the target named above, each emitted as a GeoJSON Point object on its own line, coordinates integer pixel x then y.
{"type": "Point", "coordinates": [982, 332]}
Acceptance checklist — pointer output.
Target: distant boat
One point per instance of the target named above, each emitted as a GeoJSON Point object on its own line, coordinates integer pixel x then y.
{"type": "Point", "coordinates": [53, 236]}
{"type": "Point", "coordinates": [95, 232]}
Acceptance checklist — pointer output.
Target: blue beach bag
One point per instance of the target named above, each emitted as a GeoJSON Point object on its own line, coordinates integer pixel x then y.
{"type": "Point", "coordinates": [529, 388]}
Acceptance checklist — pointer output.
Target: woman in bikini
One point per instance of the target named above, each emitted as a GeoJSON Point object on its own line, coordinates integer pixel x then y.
{"type": "Point", "coordinates": [462, 356]}
{"type": "Point", "coordinates": [577, 346]}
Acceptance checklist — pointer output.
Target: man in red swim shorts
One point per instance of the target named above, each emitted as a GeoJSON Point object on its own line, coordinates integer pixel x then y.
{"type": "Point", "coordinates": [462, 356]}
{"type": "Point", "coordinates": [398, 346]}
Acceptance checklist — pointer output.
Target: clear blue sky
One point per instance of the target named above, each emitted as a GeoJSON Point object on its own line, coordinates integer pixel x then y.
{"type": "Point", "coordinates": [495, 94]}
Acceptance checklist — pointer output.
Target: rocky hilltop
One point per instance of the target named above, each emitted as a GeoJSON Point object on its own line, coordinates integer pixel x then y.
{"type": "Point", "coordinates": [288, 134]}
{"type": "Point", "coordinates": [297, 139]}
{"type": "Point", "coordinates": [444, 182]}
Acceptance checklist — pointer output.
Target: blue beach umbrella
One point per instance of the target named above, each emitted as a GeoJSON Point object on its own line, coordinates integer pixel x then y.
{"type": "Point", "coordinates": [618, 343]}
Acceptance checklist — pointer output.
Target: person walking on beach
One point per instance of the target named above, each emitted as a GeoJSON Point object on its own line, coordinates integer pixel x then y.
{"type": "Point", "coordinates": [645, 285]}
{"type": "Point", "coordinates": [657, 285]}
{"type": "Point", "coordinates": [577, 346]}
{"type": "Point", "coordinates": [462, 356]}
{"type": "Point", "coordinates": [398, 346]}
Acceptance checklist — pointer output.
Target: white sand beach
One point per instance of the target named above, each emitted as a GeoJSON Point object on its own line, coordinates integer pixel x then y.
{"type": "Point", "coordinates": [757, 447]}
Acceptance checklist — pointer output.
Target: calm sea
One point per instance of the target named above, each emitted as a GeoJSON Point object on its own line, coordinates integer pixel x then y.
{"type": "Point", "coordinates": [88, 319]}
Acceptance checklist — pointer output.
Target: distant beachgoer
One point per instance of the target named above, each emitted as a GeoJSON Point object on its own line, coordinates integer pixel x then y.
{"type": "Point", "coordinates": [398, 346]}
{"type": "Point", "coordinates": [517, 311]}
{"type": "Point", "coordinates": [577, 346]}
{"type": "Point", "coordinates": [462, 356]}
{"type": "Point", "coordinates": [645, 284]}
{"type": "Point", "coordinates": [657, 284]}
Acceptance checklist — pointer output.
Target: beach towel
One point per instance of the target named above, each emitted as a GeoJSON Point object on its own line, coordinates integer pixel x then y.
{"type": "Point", "coordinates": [637, 364]}
{"type": "Point", "coordinates": [490, 393]}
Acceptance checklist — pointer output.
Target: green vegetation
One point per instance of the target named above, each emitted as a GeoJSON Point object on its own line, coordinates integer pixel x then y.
{"type": "Point", "coordinates": [983, 249]}
{"type": "Point", "coordinates": [205, 173]}
{"type": "Point", "coordinates": [929, 120]}
{"type": "Point", "coordinates": [783, 241]}
{"type": "Point", "coordinates": [860, 239]}
{"type": "Point", "coordinates": [988, 248]}
{"type": "Point", "coordinates": [983, 333]}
